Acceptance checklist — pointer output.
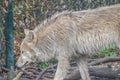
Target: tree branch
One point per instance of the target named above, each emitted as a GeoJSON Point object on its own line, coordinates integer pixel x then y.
{"type": "Point", "coordinates": [104, 60]}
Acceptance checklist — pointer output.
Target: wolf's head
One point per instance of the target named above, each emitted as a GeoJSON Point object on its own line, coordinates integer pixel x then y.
{"type": "Point", "coordinates": [27, 53]}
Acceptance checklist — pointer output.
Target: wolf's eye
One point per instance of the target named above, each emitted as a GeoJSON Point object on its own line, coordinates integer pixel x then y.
{"type": "Point", "coordinates": [22, 52]}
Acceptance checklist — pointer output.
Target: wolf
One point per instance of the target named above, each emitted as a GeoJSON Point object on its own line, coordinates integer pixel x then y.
{"type": "Point", "coordinates": [68, 35]}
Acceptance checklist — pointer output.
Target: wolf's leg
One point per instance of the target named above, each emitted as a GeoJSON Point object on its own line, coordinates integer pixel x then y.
{"type": "Point", "coordinates": [62, 69]}
{"type": "Point", "coordinates": [83, 68]}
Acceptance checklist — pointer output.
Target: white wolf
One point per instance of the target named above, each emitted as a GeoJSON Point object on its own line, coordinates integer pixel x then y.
{"type": "Point", "coordinates": [78, 34]}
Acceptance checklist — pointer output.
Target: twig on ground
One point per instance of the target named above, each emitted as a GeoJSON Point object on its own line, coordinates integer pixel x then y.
{"type": "Point", "coordinates": [103, 60]}
{"type": "Point", "coordinates": [5, 69]}
{"type": "Point", "coordinates": [22, 71]}
{"type": "Point", "coordinates": [43, 71]}
{"type": "Point", "coordinates": [18, 76]}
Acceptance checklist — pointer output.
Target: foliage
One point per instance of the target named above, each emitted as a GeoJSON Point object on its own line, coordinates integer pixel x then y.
{"type": "Point", "coordinates": [44, 65]}
{"type": "Point", "coordinates": [108, 51]}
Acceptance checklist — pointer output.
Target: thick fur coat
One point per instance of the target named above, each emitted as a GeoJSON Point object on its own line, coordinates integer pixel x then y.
{"type": "Point", "coordinates": [78, 34]}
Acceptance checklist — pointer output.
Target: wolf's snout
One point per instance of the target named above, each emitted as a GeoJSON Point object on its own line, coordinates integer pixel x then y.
{"type": "Point", "coordinates": [17, 65]}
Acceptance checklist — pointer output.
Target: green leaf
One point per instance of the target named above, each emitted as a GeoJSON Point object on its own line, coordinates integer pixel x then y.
{"type": "Point", "coordinates": [112, 46]}
{"type": "Point", "coordinates": [113, 54]}
{"type": "Point", "coordinates": [44, 65]}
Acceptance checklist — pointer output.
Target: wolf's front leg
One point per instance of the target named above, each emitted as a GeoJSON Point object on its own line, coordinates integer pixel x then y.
{"type": "Point", "coordinates": [62, 69]}
{"type": "Point", "coordinates": [83, 68]}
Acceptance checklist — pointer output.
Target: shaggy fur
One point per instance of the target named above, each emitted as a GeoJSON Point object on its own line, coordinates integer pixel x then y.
{"type": "Point", "coordinates": [79, 34]}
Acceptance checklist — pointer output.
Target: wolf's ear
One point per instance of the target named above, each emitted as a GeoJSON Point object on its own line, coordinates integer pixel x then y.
{"type": "Point", "coordinates": [30, 35]}
{"type": "Point", "coordinates": [26, 31]}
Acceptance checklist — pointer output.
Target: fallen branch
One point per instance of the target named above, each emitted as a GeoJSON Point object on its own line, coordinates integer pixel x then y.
{"type": "Point", "coordinates": [43, 71]}
{"type": "Point", "coordinates": [96, 71]}
{"type": "Point", "coordinates": [5, 69]}
{"type": "Point", "coordinates": [22, 71]}
{"type": "Point", "coordinates": [18, 76]}
{"type": "Point", "coordinates": [104, 60]}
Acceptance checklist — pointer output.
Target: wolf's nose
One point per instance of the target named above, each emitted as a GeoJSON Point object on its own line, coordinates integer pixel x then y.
{"type": "Point", "coordinates": [17, 65]}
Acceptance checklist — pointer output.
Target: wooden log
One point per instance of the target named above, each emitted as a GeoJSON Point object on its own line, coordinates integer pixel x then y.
{"type": "Point", "coordinates": [95, 71]}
